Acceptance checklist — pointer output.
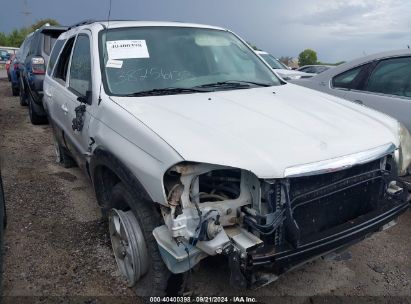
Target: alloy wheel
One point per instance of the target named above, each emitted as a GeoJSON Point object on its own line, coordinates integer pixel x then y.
{"type": "Point", "coordinates": [128, 245]}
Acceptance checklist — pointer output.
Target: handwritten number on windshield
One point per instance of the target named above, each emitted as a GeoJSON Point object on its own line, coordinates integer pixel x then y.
{"type": "Point", "coordinates": [151, 74]}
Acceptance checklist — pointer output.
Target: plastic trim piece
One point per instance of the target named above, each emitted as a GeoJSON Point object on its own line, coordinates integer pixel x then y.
{"type": "Point", "coordinates": [340, 163]}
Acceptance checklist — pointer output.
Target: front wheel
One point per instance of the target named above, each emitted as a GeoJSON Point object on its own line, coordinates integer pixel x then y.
{"type": "Point", "coordinates": [135, 248]}
{"type": "Point", "coordinates": [129, 245]}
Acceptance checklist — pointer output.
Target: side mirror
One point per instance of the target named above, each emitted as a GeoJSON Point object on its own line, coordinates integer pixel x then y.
{"type": "Point", "coordinates": [85, 99]}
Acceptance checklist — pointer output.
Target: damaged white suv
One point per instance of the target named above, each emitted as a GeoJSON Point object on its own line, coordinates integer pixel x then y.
{"type": "Point", "coordinates": [196, 148]}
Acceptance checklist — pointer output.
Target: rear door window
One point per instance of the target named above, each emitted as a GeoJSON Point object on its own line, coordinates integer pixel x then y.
{"type": "Point", "coordinates": [26, 47]}
{"type": "Point", "coordinates": [391, 77]}
{"type": "Point", "coordinates": [347, 79]}
{"type": "Point", "coordinates": [33, 45]}
{"type": "Point", "coordinates": [53, 57]}
{"type": "Point", "coordinates": [309, 70]}
{"type": "Point", "coordinates": [60, 71]}
{"type": "Point", "coordinates": [48, 43]}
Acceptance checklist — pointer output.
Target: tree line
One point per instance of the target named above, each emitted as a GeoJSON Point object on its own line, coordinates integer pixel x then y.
{"type": "Point", "coordinates": [306, 57]}
{"type": "Point", "coordinates": [16, 37]}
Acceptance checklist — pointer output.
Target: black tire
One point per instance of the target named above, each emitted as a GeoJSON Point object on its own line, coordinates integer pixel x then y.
{"type": "Point", "coordinates": [66, 160]}
{"type": "Point", "coordinates": [158, 280]}
{"type": "Point", "coordinates": [14, 91]}
{"type": "Point", "coordinates": [35, 117]}
{"type": "Point", "coordinates": [22, 94]}
{"type": "Point", "coordinates": [63, 156]}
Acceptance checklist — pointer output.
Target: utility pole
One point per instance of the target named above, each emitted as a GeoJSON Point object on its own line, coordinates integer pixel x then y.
{"type": "Point", "coordinates": [26, 12]}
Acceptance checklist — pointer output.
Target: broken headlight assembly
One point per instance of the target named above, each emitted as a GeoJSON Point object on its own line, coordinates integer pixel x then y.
{"type": "Point", "coordinates": [202, 198]}
{"type": "Point", "coordinates": [403, 154]}
{"type": "Point", "coordinates": [203, 211]}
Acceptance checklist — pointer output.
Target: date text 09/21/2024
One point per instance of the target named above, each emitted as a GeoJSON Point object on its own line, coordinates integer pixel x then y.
{"type": "Point", "coordinates": [200, 299]}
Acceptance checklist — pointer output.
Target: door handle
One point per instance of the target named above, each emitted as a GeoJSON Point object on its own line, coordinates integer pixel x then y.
{"type": "Point", "coordinates": [358, 102]}
{"type": "Point", "coordinates": [47, 94]}
{"type": "Point", "coordinates": [64, 108]}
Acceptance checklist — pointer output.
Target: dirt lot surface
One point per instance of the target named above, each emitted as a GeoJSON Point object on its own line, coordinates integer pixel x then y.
{"type": "Point", "coordinates": [57, 242]}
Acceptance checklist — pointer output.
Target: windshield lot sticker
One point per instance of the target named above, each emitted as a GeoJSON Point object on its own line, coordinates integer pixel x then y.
{"type": "Point", "coordinates": [112, 63]}
{"type": "Point", "coordinates": [209, 40]}
{"type": "Point", "coordinates": [124, 49]}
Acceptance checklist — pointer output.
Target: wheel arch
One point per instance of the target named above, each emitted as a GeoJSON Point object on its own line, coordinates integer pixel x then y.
{"type": "Point", "coordinates": [106, 170]}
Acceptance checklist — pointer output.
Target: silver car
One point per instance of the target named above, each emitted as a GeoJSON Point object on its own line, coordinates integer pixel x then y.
{"type": "Point", "coordinates": [380, 81]}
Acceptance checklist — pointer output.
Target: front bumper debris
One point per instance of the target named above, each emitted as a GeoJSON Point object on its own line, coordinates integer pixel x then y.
{"type": "Point", "coordinates": [331, 217]}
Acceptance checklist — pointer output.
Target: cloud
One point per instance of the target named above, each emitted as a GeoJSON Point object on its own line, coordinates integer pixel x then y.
{"type": "Point", "coordinates": [355, 18]}
{"type": "Point", "coordinates": [336, 29]}
{"type": "Point", "coordinates": [335, 13]}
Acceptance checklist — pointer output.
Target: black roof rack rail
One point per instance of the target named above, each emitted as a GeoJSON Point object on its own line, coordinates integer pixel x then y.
{"type": "Point", "coordinates": [88, 21]}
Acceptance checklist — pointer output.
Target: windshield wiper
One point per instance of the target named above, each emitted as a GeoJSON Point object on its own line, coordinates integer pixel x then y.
{"type": "Point", "coordinates": [167, 91]}
{"type": "Point", "coordinates": [238, 84]}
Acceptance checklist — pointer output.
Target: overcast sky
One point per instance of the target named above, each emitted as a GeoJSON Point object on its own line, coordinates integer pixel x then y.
{"type": "Point", "coordinates": [336, 29]}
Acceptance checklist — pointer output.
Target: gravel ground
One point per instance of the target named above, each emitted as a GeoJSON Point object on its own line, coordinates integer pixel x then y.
{"type": "Point", "coordinates": [57, 242]}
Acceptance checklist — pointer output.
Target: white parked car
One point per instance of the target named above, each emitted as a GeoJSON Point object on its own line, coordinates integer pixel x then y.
{"type": "Point", "coordinates": [196, 148]}
{"type": "Point", "coordinates": [281, 69]}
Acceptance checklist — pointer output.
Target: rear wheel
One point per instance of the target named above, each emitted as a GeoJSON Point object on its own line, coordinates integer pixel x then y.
{"type": "Point", "coordinates": [135, 248]}
{"type": "Point", "coordinates": [15, 91]}
{"type": "Point", "coordinates": [35, 117]}
{"type": "Point", "coordinates": [62, 156]}
{"type": "Point", "coordinates": [22, 94]}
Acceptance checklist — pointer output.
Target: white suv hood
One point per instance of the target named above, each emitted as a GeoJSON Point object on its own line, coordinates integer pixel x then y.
{"type": "Point", "coordinates": [264, 130]}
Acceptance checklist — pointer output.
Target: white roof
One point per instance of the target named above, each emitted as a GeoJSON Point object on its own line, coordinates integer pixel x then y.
{"type": "Point", "coordinates": [99, 25]}
{"type": "Point", "coordinates": [114, 24]}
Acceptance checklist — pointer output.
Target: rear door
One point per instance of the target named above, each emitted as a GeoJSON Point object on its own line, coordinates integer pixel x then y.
{"type": "Point", "coordinates": [388, 89]}
{"type": "Point", "coordinates": [58, 99]}
{"type": "Point", "coordinates": [49, 83]}
{"type": "Point", "coordinates": [79, 97]}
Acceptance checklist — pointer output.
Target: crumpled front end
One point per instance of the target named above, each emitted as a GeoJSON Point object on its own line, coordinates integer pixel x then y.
{"type": "Point", "coordinates": [266, 227]}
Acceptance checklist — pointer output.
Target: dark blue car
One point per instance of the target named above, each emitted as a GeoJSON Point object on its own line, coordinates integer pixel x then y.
{"type": "Point", "coordinates": [19, 67]}
{"type": "Point", "coordinates": [36, 51]}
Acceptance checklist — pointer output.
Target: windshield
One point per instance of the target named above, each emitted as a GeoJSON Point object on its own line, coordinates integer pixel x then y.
{"type": "Point", "coordinates": [142, 59]}
{"type": "Point", "coordinates": [272, 62]}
